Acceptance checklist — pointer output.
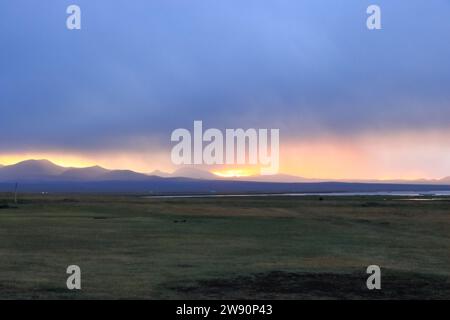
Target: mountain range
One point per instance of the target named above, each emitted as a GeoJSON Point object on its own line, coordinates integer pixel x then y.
{"type": "Point", "coordinates": [193, 173]}
{"type": "Point", "coordinates": [43, 175]}
{"type": "Point", "coordinates": [44, 170]}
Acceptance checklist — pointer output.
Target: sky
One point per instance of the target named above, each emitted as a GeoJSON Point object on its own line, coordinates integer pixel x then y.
{"type": "Point", "coordinates": [349, 102]}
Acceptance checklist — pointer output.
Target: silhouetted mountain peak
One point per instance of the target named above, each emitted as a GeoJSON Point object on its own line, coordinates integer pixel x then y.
{"type": "Point", "coordinates": [188, 172]}
{"type": "Point", "coordinates": [30, 169]}
{"type": "Point", "coordinates": [160, 173]}
{"type": "Point", "coordinates": [123, 175]}
{"type": "Point", "coordinates": [44, 163]}
{"type": "Point", "coordinates": [87, 173]}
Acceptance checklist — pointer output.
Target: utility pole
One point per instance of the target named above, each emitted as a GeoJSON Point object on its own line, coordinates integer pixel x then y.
{"type": "Point", "coordinates": [15, 193]}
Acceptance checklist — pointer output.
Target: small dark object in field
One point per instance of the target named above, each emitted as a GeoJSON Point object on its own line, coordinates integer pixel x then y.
{"type": "Point", "coordinates": [100, 218]}
{"type": "Point", "coordinates": [320, 199]}
{"type": "Point", "coordinates": [181, 221]}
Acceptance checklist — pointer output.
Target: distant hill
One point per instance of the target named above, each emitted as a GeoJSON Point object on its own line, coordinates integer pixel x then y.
{"type": "Point", "coordinates": [84, 173]}
{"type": "Point", "coordinates": [30, 170]}
{"type": "Point", "coordinates": [44, 170]}
{"type": "Point", "coordinates": [193, 173]}
{"type": "Point", "coordinates": [277, 178]}
{"type": "Point", "coordinates": [160, 173]}
{"type": "Point", "coordinates": [123, 175]}
{"type": "Point", "coordinates": [45, 176]}
{"type": "Point", "coordinates": [445, 180]}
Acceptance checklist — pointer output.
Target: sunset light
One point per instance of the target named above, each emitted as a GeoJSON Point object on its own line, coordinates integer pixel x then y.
{"type": "Point", "coordinates": [233, 173]}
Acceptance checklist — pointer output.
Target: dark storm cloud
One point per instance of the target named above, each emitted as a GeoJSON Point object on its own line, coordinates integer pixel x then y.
{"type": "Point", "coordinates": [137, 70]}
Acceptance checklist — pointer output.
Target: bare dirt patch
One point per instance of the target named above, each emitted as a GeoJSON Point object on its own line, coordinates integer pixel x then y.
{"type": "Point", "coordinates": [289, 285]}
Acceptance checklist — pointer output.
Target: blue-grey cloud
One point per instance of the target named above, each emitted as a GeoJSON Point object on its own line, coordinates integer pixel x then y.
{"type": "Point", "coordinates": [144, 68]}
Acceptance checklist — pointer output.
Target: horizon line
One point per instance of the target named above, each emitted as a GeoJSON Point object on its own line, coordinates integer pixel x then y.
{"type": "Point", "coordinates": [223, 177]}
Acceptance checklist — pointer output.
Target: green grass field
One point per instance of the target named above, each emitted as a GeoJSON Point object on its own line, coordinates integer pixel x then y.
{"type": "Point", "coordinates": [253, 248]}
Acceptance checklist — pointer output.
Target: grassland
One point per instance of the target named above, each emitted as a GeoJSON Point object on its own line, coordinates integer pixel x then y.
{"type": "Point", "coordinates": [256, 248]}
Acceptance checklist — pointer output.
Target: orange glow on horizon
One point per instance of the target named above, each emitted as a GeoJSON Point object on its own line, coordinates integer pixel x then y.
{"type": "Point", "coordinates": [234, 173]}
{"type": "Point", "coordinates": [406, 155]}
{"type": "Point", "coordinates": [376, 156]}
